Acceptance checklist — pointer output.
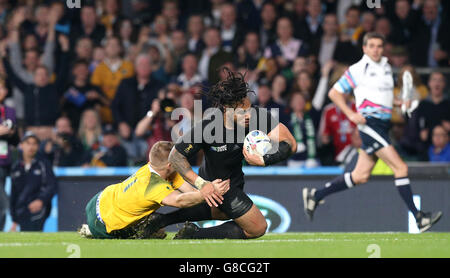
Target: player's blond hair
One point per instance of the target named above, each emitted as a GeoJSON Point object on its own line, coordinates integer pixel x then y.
{"type": "Point", "coordinates": [159, 154]}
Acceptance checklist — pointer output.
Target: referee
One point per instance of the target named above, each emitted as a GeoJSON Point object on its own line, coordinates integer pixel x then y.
{"type": "Point", "coordinates": [372, 83]}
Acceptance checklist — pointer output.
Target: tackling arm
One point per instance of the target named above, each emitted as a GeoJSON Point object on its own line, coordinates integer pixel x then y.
{"type": "Point", "coordinates": [181, 165]}
{"type": "Point", "coordinates": [186, 196]}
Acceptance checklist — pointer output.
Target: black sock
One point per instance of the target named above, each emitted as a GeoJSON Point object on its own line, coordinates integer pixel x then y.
{"type": "Point", "coordinates": [340, 183]}
{"type": "Point", "coordinates": [404, 188]}
{"type": "Point", "coordinates": [199, 212]}
{"type": "Point", "coordinates": [228, 230]}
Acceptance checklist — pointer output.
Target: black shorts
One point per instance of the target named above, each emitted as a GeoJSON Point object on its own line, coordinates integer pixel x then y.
{"type": "Point", "coordinates": [374, 135]}
{"type": "Point", "coordinates": [235, 202]}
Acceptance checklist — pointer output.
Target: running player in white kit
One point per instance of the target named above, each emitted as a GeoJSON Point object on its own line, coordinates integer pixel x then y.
{"type": "Point", "coordinates": [372, 84]}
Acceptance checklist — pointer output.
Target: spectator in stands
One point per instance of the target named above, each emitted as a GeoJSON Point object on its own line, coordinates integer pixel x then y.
{"type": "Point", "coordinates": [213, 56]}
{"type": "Point", "coordinates": [195, 34]}
{"type": "Point", "coordinates": [249, 13]}
{"type": "Point", "coordinates": [249, 54]}
{"type": "Point", "coordinates": [231, 32]}
{"type": "Point", "coordinates": [431, 43]}
{"type": "Point", "coordinates": [368, 20]}
{"type": "Point", "coordinates": [267, 30]}
{"type": "Point", "coordinates": [160, 34]}
{"type": "Point", "coordinates": [335, 128]}
{"type": "Point", "coordinates": [265, 100]}
{"type": "Point", "coordinates": [111, 16]}
{"type": "Point", "coordinates": [25, 66]}
{"type": "Point", "coordinates": [268, 69]}
{"type": "Point", "coordinates": [80, 94]}
{"type": "Point", "coordinates": [179, 50]}
{"type": "Point", "coordinates": [302, 127]}
{"type": "Point", "coordinates": [41, 97]}
{"type": "Point", "coordinates": [63, 148]}
{"type": "Point", "coordinates": [33, 185]}
{"type": "Point", "coordinates": [161, 65]}
{"type": "Point", "coordinates": [351, 29]}
{"type": "Point", "coordinates": [109, 73]}
{"type": "Point", "coordinates": [399, 57]}
{"type": "Point", "coordinates": [98, 56]}
{"type": "Point", "coordinates": [134, 96]}
{"type": "Point", "coordinates": [126, 32]}
{"type": "Point", "coordinates": [190, 76]}
{"type": "Point", "coordinates": [309, 28]}
{"type": "Point", "coordinates": [156, 125]}
{"type": "Point", "coordinates": [131, 103]}
{"type": "Point", "coordinates": [41, 24]}
{"type": "Point", "coordinates": [439, 151]}
{"type": "Point", "coordinates": [324, 46]}
{"type": "Point", "coordinates": [403, 22]}
{"type": "Point", "coordinates": [303, 83]}
{"type": "Point", "coordinates": [89, 26]}
{"type": "Point", "coordinates": [435, 110]}
{"type": "Point", "coordinates": [286, 48]}
{"type": "Point", "coordinates": [171, 11]}
{"type": "Point", "coordinates": [188, 116]}
{"type": "Point", "coordinates": [383, 27]}
{"type": "Point", "coordinates": [90, 130]}
{"type": "Point", "coordinates": [84, 49]}
{"type": "Point", "coordinates": [279, 89]}
{"type": "Point", "coordinates": [212, 18]}
{"type": "Point", "coordinates": [110, 153]}
{"type": "Point", "coordinates": [8, 139]}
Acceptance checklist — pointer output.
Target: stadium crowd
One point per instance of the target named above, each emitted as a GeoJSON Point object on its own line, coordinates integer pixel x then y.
{"type": "Point", "coordinates": [97, 84]}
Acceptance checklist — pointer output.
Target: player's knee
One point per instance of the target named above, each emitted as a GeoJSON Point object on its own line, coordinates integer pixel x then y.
{"type": "Point", "coordinates": [401, 170]}
{"type": "Point", "coordinates": [257, 231]}
{"type": "Point", "coordinates": [360, 178]}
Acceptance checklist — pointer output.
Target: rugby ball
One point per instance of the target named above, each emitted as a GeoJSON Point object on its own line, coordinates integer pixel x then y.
{"type": "Point", "coordinates": [258, 139]}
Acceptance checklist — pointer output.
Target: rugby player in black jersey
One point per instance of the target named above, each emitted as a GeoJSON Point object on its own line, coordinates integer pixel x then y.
{"type": "Point", "coordinates": [221, 137]}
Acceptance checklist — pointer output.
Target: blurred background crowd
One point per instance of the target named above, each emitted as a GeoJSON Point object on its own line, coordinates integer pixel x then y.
{"type": "Point", "coordinates": [96, 84]}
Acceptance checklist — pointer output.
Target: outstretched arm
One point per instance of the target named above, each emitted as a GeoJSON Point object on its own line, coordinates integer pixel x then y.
{"type": "Point", "coordinates": [181, 165]}
{"type": "Point", "coordinates": [193, 197]}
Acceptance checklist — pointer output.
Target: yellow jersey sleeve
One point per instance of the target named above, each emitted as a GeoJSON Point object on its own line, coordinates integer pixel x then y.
{"type": "Point", "coordinates": [177, 181]}
{"type": "Point", "coordinates": [157, 189]}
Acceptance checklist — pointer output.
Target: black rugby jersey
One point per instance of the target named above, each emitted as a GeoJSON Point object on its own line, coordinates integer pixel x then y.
{"type": "Point", "coordinates": [223, 147]}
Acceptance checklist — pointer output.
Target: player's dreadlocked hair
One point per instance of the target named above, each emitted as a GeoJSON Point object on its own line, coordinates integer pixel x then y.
{"type": "Point", "coordinates": [229, 92]}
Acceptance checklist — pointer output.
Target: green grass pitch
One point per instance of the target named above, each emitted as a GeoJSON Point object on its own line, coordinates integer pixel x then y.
{"type": "Point", "coordinates": [289, 245]}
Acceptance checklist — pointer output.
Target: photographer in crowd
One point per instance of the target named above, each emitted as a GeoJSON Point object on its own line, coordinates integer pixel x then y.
{"type": "Point", "coordinates": [110, 152]}
{"type": "Point", "coordinates": [63, 149]}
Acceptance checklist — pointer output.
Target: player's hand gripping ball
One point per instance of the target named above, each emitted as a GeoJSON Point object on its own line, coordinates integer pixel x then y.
{"type": "Point", "coordinates": [257, 142]}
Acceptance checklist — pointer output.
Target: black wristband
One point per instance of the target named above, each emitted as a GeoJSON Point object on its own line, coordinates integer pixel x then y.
{"type": "Point", "coordinates": [283, 153]}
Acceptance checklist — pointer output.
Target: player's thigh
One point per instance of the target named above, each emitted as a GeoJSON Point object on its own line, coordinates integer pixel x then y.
{"type": "Point", "coordinates": [363, 167]}
{"type": "Point", "coordinates": [217, 214]}
{"type": "Point", "coordinates": [390, 156]}
{"type": "Point", "coordinates": [253, 223]}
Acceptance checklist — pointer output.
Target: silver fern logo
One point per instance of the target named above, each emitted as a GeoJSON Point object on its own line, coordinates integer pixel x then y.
{"type": "Point", "coordinates": [372, 4]}
{"type": "Point", "coordinates": [73, 4]}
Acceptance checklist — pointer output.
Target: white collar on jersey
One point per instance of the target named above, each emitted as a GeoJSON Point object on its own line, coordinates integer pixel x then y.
{"type": "Point", "coordinates": [152, 170]}
{"type": "Point", "coordinates": [383, 61]}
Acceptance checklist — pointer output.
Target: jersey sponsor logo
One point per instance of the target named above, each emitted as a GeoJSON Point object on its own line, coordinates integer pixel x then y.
{"type": "Point", "coordinates": [277, 217]}
{"type": "Point", "coordinates": [219, 149]}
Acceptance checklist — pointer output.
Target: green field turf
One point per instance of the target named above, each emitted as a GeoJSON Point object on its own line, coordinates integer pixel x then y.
{"type": "Point", "coordinates": [289, 245]}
